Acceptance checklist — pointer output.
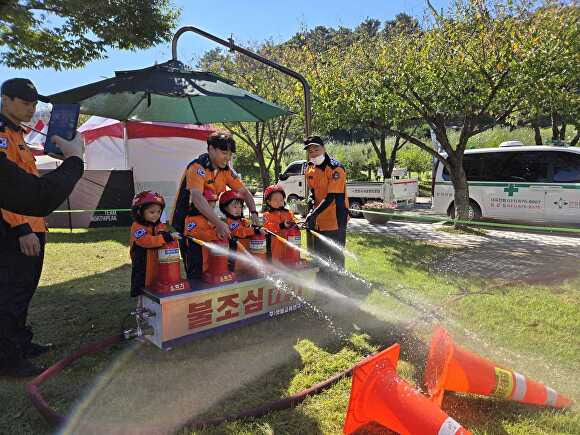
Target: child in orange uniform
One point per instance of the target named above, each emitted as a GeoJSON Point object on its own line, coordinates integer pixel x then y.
{"type": "Point", "coordinates": [231, 205]}
{"type": "Point", "coordinates": [147, 234]}
{"type": "Point", "coordinates": [199, 227]}
{"type": "Point", "coordinates": [277, 219]}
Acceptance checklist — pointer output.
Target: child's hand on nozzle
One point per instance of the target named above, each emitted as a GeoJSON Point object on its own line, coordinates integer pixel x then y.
{"type": "Point", "coordinates": [262, 231]}
{"type": "Point", "coordinates": [289, 223]}
{"type": "Point", "coordinates": [176, 235]}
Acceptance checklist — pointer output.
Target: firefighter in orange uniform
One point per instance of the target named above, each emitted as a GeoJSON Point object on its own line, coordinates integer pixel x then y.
{"type": "Point", "coordinates": [22, 239]}
{"type": "Point", "coordinates": [278, 219]}
{"type": "Point", "coordinates": [147, 234]}
{"type": "Point", "coordinates": [208, 171]}
{"type": "Point", "coordinates": [328, 202]}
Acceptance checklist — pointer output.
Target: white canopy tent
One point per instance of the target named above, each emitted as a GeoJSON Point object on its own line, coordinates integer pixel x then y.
{"type": "Point", "coordinates": [157, 153]}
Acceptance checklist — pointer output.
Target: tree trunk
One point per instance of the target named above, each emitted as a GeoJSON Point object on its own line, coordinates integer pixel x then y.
{"type": "Point", "coordinates": [461, 196]}
{"type": "Point", "coordinates": [555, 131]}
{"type": "Point", "coordinates": [563, 132]}
{"type": "Point", "coordinates": [264, 173]}
{"type": "Point", "coordinates": [576, 138]}
{"type": "Point", "coordinates": [537, 133]}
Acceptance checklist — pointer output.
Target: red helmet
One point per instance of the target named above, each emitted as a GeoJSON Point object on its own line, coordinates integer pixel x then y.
{"type": "Point", "coordinates": [210, 195]}
{"type": "Point", "coordinates": [229, 196]}
{"type": "Point", "coordinates": [147, 197]}
{"type": "Point", "coordinates": [273, 188]}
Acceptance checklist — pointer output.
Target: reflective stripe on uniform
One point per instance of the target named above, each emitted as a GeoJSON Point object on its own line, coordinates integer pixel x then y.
{"type": "Point", "coordinates": [449, 427]}
{"type": "Point", "coordinates": [520, 388]}
{"type": "Point", "coordinates": [552, 396]}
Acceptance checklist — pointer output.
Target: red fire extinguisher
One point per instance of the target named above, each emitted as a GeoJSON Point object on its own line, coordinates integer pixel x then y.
{"type": "Point", "coordinates": [258, 250]}
{"type": "Point", "coordinates": [217, 262]}
{"type": "Point", "coordinates": [292, 255]}
{"type": "Point", "coordinates": [168, 277]}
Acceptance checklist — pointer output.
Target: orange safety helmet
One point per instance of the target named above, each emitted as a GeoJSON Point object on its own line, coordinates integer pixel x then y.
{"type": "Point", "coordinates": [273, 188]}
{"type": "Point", "coordinates": [210, 195]}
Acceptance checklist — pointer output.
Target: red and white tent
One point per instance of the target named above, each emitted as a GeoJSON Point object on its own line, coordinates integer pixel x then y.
{"type": "Point", "coordinates": [157, 153]}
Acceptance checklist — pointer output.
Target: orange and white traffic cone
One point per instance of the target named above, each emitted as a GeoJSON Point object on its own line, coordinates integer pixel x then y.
{"type": "Point", "coordinates": [379, 395]}
{"type": "Point", "coordinates": [450, 367]}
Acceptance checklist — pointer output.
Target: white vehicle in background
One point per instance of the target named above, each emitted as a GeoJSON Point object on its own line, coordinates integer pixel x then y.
{"type": "Point", "coordinates": [517, 183]}
{"type": "Point", "coordinates": [358, 192]}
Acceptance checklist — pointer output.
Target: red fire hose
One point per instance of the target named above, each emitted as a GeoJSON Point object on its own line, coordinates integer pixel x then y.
{"type": "Point", "coordinates": [56, 419]}
{"type": "Point", "coordinates": [38, 401]}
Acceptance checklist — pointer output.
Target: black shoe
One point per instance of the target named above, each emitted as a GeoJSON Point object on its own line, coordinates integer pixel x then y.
{"type": "Point", "coordinates": [21, 369]}
{"type": "Point", "coordinates": [34, 349]}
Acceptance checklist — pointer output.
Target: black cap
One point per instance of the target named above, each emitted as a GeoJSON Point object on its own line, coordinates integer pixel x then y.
{"type": "Point", "coordinates": [23, 89]}
{"type": "Point", "coordinates": [313, 140]}
{"type": "Point", "coordinates": [223, 140]}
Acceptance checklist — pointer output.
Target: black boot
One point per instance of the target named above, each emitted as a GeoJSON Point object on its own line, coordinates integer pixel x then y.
{"type": "Point", "coordinates": [21, 369]}
{"type": "Point", "coordinates": [34, 350]}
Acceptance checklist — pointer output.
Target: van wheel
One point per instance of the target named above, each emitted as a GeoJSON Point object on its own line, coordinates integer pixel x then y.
{"type": "Point", "coordinates": [355, 204]}
{"type": "Point", "coordinates": [473, 213]}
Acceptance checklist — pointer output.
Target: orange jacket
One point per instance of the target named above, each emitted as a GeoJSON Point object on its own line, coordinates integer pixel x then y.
{"type": "Point", "coordinates": [274, 221]}
{"type": "Point", "coordinates": [12, 144]}
{"type": "Point", "coordinates": [241, 228]}
{"type": "Point", "coordinates": [142, 248]}
{"type": "Point", "coordinates": [324, 179]}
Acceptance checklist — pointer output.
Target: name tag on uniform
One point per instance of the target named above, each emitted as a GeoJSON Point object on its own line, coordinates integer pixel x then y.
{"type": "Point", "coordinates": [3, 142]}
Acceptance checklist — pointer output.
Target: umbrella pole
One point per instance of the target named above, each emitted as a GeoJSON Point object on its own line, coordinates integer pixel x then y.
{"type": "Point", "coordinates": [233, 47]}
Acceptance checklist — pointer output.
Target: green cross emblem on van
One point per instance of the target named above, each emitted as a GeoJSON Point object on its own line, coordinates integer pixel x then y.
{"type": "Point", "coordinates": [511, 189]}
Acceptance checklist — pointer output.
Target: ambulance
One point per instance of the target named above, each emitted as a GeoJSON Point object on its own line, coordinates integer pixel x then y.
{"type": "Point", "coordinates": [516, 183]}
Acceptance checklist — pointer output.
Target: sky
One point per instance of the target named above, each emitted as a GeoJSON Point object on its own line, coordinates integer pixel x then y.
{"type": "Point", "coordinates": [247, 21]}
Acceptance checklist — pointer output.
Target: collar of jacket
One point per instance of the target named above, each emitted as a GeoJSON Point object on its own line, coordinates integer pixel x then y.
{"type": "Point", "coordinates": [9, 123]}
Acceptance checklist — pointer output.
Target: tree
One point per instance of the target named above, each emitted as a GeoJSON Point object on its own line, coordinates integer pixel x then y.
{"type": "Point", "coordinates": [269, 140]}
{"type": "Point", "coordinates": [70, 33]}
{"type": "Point", "coordinates": [467, 68]}
{"type": "Point", "coordinates": [349, 88]}
{"type": "Point", "coordinates": [553, 98]}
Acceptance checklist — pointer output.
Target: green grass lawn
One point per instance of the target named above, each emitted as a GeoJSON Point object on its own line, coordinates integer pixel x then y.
{"type": "Point", "coordinates": [533, 329]}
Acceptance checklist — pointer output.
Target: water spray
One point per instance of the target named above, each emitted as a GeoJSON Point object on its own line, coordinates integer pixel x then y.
{"type": "Point", "coordinates": [333, 244]}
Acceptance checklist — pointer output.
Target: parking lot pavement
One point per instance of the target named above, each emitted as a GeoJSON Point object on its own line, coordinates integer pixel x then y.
{"type": "Point", "coordinates": [498, 255]}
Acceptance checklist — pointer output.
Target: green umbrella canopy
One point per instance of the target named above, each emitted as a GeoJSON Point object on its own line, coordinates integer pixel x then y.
{"type": "Point", "coordinates": [169, 92]}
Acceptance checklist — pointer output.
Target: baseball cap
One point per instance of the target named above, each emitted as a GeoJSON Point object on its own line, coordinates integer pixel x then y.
{"type": "Point", "coordinates": [23, 89]}
{"type": "Point", "coordinates": [313, 140]}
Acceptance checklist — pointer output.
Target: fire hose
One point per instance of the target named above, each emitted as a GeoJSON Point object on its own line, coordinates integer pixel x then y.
{"type": "Point", "coordinates": [56, 419]}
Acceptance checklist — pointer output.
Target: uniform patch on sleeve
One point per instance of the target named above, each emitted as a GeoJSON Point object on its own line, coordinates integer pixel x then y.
{"type": "Point", "coordinates": [234, 225]}
{"type": "Point", "coordinates": [191, 226]}
{"type": "Point", "coordinates": [3, 142]}
{"type": "Point", "coordinates": [140, 233]}
{"type": "Point", "coordinates": [201, 172]}
{"type": "Point", "coordinates": [336, 175]}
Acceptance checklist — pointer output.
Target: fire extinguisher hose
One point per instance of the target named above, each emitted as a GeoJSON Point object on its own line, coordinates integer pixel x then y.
{"type": "Point", "coordinates": [56, 419]}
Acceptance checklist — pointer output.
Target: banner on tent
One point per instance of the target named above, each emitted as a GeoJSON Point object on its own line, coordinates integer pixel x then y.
{"type": "Point", "coordinates": [97, 190]}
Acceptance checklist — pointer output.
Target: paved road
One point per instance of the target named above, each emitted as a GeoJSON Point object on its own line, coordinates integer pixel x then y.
{"type": "Point", "coordinates": [498, 255]}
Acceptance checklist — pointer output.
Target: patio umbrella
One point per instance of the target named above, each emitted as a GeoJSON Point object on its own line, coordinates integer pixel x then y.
{"type": "Point", "coordinates": [169, 92]}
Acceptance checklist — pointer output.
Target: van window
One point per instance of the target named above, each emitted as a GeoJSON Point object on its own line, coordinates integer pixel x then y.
{"type": "Point", "coordinates": [481, 166]}
{"type": "Point", "coordinates": [566, 167]}
{"type": "Point", "coordinates": [295, 169]}
{"type": "Point", "coordinates": [525, 166]}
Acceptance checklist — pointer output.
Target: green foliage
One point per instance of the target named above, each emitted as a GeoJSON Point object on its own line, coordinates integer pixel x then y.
{"type": "Point", "coordinates": [70, 33]}
{"type": "Point", "coordinates": [414, 159]}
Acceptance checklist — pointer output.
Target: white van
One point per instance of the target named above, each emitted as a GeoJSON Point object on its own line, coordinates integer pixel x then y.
{"type": "Point", "coordinates": [519, 183]}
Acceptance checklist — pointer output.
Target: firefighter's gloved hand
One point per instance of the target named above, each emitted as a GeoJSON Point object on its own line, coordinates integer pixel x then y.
{"type": "Point", "coordinates": [310, 222]}
{"type": "Point", "coordinates": [69, 148]}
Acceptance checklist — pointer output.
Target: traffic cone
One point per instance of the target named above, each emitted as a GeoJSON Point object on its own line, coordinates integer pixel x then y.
{"type": "Point", "coordinates": [379, 395]}
{"type": "Point", "coordinates": [449, 367]}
